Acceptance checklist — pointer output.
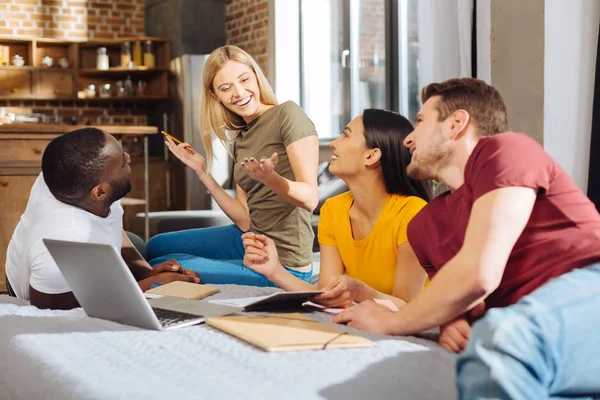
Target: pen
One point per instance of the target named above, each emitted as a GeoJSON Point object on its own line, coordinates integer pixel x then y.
{"type": "Point", "coordinates": [173, 138]}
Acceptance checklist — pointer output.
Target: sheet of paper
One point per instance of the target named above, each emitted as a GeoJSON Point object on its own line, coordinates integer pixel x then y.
{"type": "Point", "coordinates": [323, 308]}
{"type": "Point", "coordinates": [152, 295]}
{"type": "Point", "coordinates": [387, 303]}
{"type": "Point", "coordinates": [243, 302]}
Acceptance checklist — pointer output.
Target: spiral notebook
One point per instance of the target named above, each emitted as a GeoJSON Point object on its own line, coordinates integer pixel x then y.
{"type": "Point", "coordinates": [286, 332]}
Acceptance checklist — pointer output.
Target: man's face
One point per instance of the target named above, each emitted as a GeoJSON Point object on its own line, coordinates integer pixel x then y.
{"type": "Point", "coordinates": [428, 144]}
{"type": "Point", "coordinates": [119, 172]}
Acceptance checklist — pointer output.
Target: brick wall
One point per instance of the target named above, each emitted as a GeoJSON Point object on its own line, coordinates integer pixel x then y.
{"type": "Point", "coordinates": [247, 27]}
{"type": "Point", "coordinates": [72, 19]}
{"type": "Point", "coordinates": [76, 20]}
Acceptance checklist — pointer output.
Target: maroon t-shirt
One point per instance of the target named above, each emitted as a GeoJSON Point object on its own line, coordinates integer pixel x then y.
{"type": "Point", "coordinates": [562, 234]}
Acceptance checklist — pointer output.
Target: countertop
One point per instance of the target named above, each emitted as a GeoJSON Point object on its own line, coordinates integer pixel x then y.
{"type": "Point", "coordinates": [58, 129]}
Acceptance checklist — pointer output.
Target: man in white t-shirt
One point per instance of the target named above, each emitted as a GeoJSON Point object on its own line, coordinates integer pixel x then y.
{"type": "Point", "coordinates": [76, 197]}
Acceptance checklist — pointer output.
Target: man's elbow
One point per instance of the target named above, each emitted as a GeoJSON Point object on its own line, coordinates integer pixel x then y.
{"type": "Point", "coordinates": [61, 301]}
{"type": "Point", "coordinates": [485, 283]}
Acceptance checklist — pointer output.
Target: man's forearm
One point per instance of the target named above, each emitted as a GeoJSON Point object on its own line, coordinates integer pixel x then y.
{"type": "Point", "coordinates": [453, 291]}
{"type": "Point", "coordinates": [138, 266]}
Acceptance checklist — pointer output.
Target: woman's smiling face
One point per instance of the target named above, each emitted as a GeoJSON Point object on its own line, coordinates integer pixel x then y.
{"type": "Point", "coordinates": [236, 87]}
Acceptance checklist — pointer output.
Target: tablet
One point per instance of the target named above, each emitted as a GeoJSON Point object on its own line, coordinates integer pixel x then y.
{"type": "Point", "coordinates": [275, 301]}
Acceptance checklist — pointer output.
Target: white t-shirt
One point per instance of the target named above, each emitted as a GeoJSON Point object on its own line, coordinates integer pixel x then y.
{"type": "Point", "coordinates": [28, 262]}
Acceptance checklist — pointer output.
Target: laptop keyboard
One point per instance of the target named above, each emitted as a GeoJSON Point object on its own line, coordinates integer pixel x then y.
{"type": "Point", "coordinates": [169, 317]}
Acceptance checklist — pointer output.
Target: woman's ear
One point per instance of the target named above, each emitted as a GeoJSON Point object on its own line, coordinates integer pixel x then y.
{"type": "Point", "coordinates": [372, 156]}
{"type": "Point", "coordinates": [212, 93]}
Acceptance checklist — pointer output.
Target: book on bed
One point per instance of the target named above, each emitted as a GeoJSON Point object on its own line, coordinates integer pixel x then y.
{"type": "Point", "coordinates": [286, 332]}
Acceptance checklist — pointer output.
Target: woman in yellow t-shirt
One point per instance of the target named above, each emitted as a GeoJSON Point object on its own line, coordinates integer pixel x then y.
{"type": "Point", "coordinates": [362, 233]}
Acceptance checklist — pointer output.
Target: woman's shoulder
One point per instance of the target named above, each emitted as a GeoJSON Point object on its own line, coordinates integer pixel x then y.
{"type": "Point", "coordinates": [291, 110]}
{"type": "Point", "coordinates": [339, 202]}
{"type": "Point", "coordinates": [407, 204]}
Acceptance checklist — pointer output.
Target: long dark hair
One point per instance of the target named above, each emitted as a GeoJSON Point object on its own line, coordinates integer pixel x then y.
{"type": "Point", "coordinates": [386, 130]}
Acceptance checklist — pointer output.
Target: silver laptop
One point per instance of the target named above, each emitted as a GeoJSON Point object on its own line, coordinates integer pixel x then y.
{"type": "Point", "coordinates": [105, 288]}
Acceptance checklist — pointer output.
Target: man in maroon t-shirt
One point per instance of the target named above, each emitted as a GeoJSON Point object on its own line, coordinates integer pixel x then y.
{"type": "Point", "coordinates": [514, 235]}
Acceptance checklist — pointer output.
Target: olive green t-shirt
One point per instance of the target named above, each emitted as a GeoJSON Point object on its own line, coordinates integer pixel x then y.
{"type": "Point", "coordinates": [289, 226]}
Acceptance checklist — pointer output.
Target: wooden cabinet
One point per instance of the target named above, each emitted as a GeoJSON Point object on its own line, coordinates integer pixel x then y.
{"type": "Point", "coordinates": [54, 84]}
{"type": "Point", "coordinates": [60, 69]}
{"type": "Point", "coordinates": [15, 83]}
{"type": "Point", "coordinates": [20, 164]}
{"type": "Point", "coordinates": [14, 194]}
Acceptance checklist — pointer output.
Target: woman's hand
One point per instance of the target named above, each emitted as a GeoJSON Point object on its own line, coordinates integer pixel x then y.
{"type": "Point", "coordinates": [260, 254]}
{"type": "Point", "coordinates": [260, 170]}
{"type": "Point", "coordinates": [188, 156]}
{"type": "Point", "coordinates": [341, 291]}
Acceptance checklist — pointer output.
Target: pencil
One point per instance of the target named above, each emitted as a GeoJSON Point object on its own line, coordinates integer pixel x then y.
{"type": "Point", "coordinates": [188, 147]}
{"type": "Point", "coordinates": [172, 137]}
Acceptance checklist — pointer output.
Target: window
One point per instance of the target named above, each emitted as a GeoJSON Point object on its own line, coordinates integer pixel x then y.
{"type": "Point", "coordinates": [349, 63]}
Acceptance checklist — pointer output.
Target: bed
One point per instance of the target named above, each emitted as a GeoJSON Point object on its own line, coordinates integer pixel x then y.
{"type": "Point", "coordinates": [67, 355]}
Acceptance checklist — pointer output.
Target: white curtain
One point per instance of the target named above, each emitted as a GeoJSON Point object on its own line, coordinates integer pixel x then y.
{"type": "Point", "coordinates": [445, 31]}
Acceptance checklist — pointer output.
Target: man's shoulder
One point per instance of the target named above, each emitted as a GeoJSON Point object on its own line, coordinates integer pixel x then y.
{"type": "Point", "coordinates": [508, 140]}
{"type": "Point", "coordinates": [433, 209]}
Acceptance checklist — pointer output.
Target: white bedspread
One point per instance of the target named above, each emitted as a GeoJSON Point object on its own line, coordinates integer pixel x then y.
{"type": "Point", "coordinates": [67, 355]}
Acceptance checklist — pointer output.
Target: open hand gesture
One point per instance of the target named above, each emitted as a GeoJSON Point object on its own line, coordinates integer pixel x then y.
{"type": "Point", "coordinates": [260, 170]}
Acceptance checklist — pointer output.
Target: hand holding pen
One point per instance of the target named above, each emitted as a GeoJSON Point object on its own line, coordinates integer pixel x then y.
{"type": "Point", "coordinates": [186, 154]}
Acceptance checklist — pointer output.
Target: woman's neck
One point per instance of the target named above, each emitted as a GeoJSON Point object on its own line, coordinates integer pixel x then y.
{"type": "Point", "coordinates": [369, 195]}
{"type": "Point", "coordinates": [260, 111]}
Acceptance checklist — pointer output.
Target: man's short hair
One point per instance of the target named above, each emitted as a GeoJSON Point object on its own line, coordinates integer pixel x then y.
{"type": "Point", "coordinates": [74, 163]}
{"type": "Point", "coordinates": [483, 103]}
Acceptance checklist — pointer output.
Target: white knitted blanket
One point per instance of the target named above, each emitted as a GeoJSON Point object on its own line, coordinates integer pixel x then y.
{"type": "Point", "coordinates": [67, 355]}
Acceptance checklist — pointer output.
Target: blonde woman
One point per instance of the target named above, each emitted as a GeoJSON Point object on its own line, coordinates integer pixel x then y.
{"type": "Point", "coordinates": [275, 147]}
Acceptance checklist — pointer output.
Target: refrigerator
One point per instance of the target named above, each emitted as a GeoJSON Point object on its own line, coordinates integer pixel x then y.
{"type": "Point", "coordinates": [184, 123]}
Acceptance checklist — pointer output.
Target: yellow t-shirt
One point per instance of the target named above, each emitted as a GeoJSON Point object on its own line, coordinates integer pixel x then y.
{"type": "Point", "coordinates": [372, 259]}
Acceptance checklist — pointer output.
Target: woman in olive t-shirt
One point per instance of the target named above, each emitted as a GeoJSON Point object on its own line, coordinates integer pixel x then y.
{"type": "Point", "coordinates": [275, 148]}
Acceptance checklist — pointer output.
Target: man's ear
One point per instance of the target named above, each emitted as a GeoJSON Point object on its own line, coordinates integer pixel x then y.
{"type": "Point", "coordinates": [459, 123]}
{"type": "Point", "coordinates": [372, 157]}
{"type": "Point", "coordinates": [100, 192]}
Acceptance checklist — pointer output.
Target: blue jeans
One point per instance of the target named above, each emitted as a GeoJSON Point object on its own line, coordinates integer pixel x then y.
{"type": "Point", "coordinates": [545, 346]}
{"type": "Point", "coordinates": [216, 254]}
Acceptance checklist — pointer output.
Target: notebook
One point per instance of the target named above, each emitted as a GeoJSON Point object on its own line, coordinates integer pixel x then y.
{"type": "Point", "coordinates": [278, 300]}
{"type": "Point", "coordinates": [286, 332]}
{"type": "Point", "coordinates": [185, 290]}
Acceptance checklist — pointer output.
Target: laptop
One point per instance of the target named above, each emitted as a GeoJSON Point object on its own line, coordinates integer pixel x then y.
{"type": "Point", "coordinates": [105, 288]}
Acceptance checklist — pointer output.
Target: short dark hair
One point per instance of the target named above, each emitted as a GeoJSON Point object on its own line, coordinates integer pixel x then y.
{"type": "Point", "coordinates": [74, 163]}
{"type": "Point", "coordinates": [482, 101]}
{"type": "Point", "coordinates": [386, 131]}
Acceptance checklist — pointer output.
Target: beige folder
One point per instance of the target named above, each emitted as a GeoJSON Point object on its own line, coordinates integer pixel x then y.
{"type": "Point", "coordinates": [285, 332]}
{"type": "Point", "coordinates": [186, 290]}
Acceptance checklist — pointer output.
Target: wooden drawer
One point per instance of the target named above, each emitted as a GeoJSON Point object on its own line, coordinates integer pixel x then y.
{"type": "Point", "coordinates": [54, 84]}
{"type": "Point", "coordinates": [22, 152]}
{"type": "Point", "coordinates": [15, 83]}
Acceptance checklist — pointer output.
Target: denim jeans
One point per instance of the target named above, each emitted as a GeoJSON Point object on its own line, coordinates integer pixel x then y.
{"type": "Point", "coordinates": [547, 346]}
{"type": "Point", "coordinates": [216, 254]}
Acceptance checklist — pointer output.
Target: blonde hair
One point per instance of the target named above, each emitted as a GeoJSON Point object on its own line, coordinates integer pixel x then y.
{"type": "Point", "coordinates": [215, 117]}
